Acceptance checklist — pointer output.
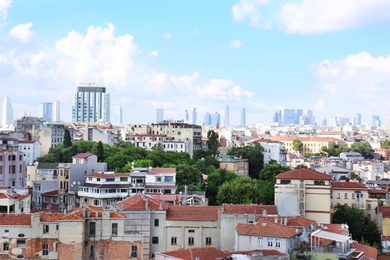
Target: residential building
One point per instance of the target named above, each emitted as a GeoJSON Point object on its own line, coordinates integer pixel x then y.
{"type": "Point", "coordinates": [150, 141]}
{"type": "Point", "coordinates": [233, 164]}
{"type": "Point", "coordinates": [12, 169]}
{"type": "Point", "coordinates": [297, 193]}
{"type": "Point", "coordinates": [273, 150]}
{"type": "Point", "coordinates": [98, 135]}
{"type": "Point", "coordinates": [14, 201]}
{"type": "Point", "coordinates": [50, 201]}
{"type": "Point", "coordinates": [31, 150]}
{"type": "Point", "coordinates": [349, 193]}
{"type": "Point", "coordinates": [50, 135]}
{"type": "Point", "coordinates": [335, 172]}
{"type": "Point", "coordinates": [91, 104]}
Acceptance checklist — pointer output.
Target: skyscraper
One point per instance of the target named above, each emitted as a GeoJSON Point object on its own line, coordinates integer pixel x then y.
{"type": "Point", "coordinates": [186, 116]}
{"type": "Point", "coordinates": [289, 116]}
{"type": "Point", "coordinates": [299, 113]}
{"type": "Point", "coordinates": [56, 111]}
{"type": "Point", "coordinates": [7, 118]}
{"type": "Point", "coordinates": [118, 115]}
{"type": "Point", "coordinates": [206, 119]}
{"type": "Point", "coordinates": [215, 119]}
{"type": "Point", "coordinates": [376, 121]}
{"type": "Point", "coordinates": [226, 119]}
{"type": "Point", "coordinates": [278, 116]}
{"type": "Point", "coordinates": [357, 119]}
{"type": "Point", "coordinates": [91, 104]}
{"type": "Point", "coordinates": [46, 111]}
{"type": "Point", "coordinates": [194, 115]}
{"type": "Point", "coordinates": [243, 118]}
{"type": "Point", "coordinates": [159, 115]}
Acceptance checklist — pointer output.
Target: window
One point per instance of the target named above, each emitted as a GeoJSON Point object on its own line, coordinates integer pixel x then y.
{"type": "Point", "coordinates": [277, 242]}
{"type": "Point", "coordinates": [53, 200]}
{"type": "Point", "coordinates": [134, 251]}
{"type": "Point", "coordinates": [154, 240]}
{"type": "Point", "coordinates": [45, 249]}
{"type": "Point", "coordinates": [92, 228]}
{"type": "Point", "coordinates": [353, 195]}
{"type": "Point", "coordinates": [259, 242]}
{"type": "Point", "coordinates": [55, 247]}
{"type": "Point", "coordinates": [338, 195]}
{"type": "Point", "coordinates": [21, 243]}
{"type": "Point", "coordinates": [156, 222]}
{"type": "Point", "coordinates": [285, 181]}
{"type": "Point", "coordinates": [114, 230]}
{"type": "Point", "coordinates": [270, 242]}
{"type": "Point", "coordinates": [208, 240]}
{"type": "Point", "coordinates": [368, 206]}
{"type": "Point", "coordinates": [173, 240]}
{"type": "Point", "coordinates": [345, 195]}
{"type": "Point", "coordinates": [190, 241]}
{"type": "Point", "coordinates": [158, 179]}
{"type": "Point", "coordinates": [45, 229]}
{"type": "Point", "coordinates": [168, 178]}
{"type": "Point", "coordinates": [5, 247]}
{"type": "Point", "coordinates": [191, 231]}
{"type": "Point", "coordinates": [322, 183]}
{"type": "Point", "coordinates": [91, 251]}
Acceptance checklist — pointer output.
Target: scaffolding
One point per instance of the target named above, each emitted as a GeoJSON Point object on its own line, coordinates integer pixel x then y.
{"type": "Point", "coordinates": [291, 199]}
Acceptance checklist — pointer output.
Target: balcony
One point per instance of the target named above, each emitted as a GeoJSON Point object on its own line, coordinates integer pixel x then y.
{"type": "Point", "coordinates": [103, 195]}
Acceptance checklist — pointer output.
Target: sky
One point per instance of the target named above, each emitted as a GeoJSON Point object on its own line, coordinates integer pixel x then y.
{"type": "Point", "coordinates": [332, 56]}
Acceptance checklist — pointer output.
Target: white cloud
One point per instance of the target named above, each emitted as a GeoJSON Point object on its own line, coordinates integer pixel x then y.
{"type": "Point", "coordinates": [154, 53]}
{"type": "Point", "coordinates": [236, 44]}
{"type": "Point", "coordinates": [186, 82]}
{"type": "Point", "coordinates": [357, 82]}
{"type": "Point", "coordinates": [248, 9]}
{"type": "Point", "coordinates": [319, 16]}
{"type": "Point", "coordinates": [22, 32]}
{"type": "Point", "coordinates": [4, 5]}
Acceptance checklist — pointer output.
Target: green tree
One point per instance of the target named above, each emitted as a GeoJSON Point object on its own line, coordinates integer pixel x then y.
{"type": "Point", "coordinates": [297, 145]}
{"type": "Point", "coordinates": [269, 172]}
{"type": "Point", "coordinates": [67, 140]}
{"type": "Point", "coordinates": [100, 152]}
{"type": "Point", "coordinates": [212, 142]}
{"type": "Point", "coordinates": [364, 148]}
{"type": "Point", "coordinates": [187, 175]}
{"type": "Point", "coordinates": [159, 146]}
{"type": "Point", "coordinates": [385, 144]}
{"type": "Point", "coordinates": [241, 190]}
{"type": "Point", "coordinates": [214, 181]}
{"type": "Point", "coordinates": [254, 153]}
{"type": "Point", "coordinates": [267, 193]}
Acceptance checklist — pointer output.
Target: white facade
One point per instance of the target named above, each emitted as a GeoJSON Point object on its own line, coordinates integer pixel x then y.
{"type": "Point", "coordinates": [31, 151]}
{"type": "Point", "coordinates": [56, 111]}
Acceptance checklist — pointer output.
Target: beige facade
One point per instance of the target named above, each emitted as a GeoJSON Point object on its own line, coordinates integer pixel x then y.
{"type": "Point", "coordinates": [349, 193]}
{"type": "Point", "coordinates": [233, 164]}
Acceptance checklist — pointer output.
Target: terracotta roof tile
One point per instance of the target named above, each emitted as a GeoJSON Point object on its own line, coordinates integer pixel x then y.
{"type": "Point", "coordinates": [51, 193]}
{"type": "Point", "coordinates": [303, 174]}
{"type": "Point", "coordinates": [82, 155]}
{"type": "Point", "coordinates": [137, 202]}
{"type": "Point", "coordinates": [249, 209]}
{"type": "Point", "coordinates": [201, 253]}
{"type": "Point", "coordinates": [162, 170]}
{"type": "Point", "coordinates": [15, 219]}
{"type": "Point", "coordinates": [49, 216]}
{"type": "Point", "coordinates": [193, 213]}
{"type": "Point", "coordinates": [368, 251]}
{"type": "Point", "coordinates": [268, 228]}
{"type": "Point", "coordinates": [93, 211]}
{"type": "Point", "coordinates": [340, 185]}
{"type": "Point", "coordinates": [265, 252]}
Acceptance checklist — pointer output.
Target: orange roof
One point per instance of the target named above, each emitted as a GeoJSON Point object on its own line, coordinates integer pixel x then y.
{"type": "Point", "coordinates": [193, 213]}
{"type": "Point", "coordinates": [79, 214]}
{"type": "Point", "coordinates": [268, 228]}
{"type": "Point", "coordinates": [340, 185]}
{"type": "Point", "coordinates": [102, 175]}
{"type": "Point", "coordinates": [385, 211]}
{"type": "Point", "coordinates": [371, 252]}
{"type": "Point", "coordinates": [249, 209]}
{"type": "Point", "coordinates": [49, 216]}
{"type": "Point", "coordinates": [303, 174]}
{"type": "Point", "coordinates": [137, 202]}
{"type": "Point", "coordinates": [265, 252]}
{"type": "Point", "coordinates": [201, 253]}
{"type": "Point", "coordinates": [161, 170]}
{"type": "Point", "coordinates": [51, 193]}
{"type": "Point", "coordinates": [377, 191]}
{"type": "Point", "coordinates": [82, 155]}
{"type": "Point", "coordinates": [15, 219]}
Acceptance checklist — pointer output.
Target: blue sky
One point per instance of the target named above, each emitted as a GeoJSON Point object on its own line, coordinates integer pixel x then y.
{"type": "Point", "coordinates": [329, 56]}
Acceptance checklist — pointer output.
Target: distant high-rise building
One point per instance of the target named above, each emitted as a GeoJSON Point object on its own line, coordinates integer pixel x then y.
{"type": "Point", "coordinates": [376, 121]}
{"type": "Point", "coordinates": [215, 119]}
{"type": "Point", "coordinates": [299, 113]}
{"type": "Point", "coordinates": [159, 115]}
{"type": "Point", "coordinates": [186, 116]}
{"type": "Point", "coordinates": [91, 104]}
{"type": "Point", "coordinates": [335, 121]}
{"type": "Point", "coordinates": [344, 121]}
{"type": "Point", "coordinates": [56, 111]}
{"type": "Point", "coordinates": [243, 118]}
{"type": "Point", "coordinates": [194, 115]}
{"type": "Point", "coordinates": [226, 119]}
{"type": "Point", "coordinates": [324, 122]}
{"type": "Point", "coordinates": [357, 119]}
{"type": "Point", "coordinates": [278, 116]}
{"type": "Point", "coordinates": [46, 111]}
{"type": "Point", "coordinates": [7, 118]}
{"type": "Point", "coordinates": [289, 116]}
{"type": "Point", "coordinates": [311, 118]}
{"type": "Point", "coordinates": [118, 115]}
{"type": "Point", "coordinates": [206, 119]}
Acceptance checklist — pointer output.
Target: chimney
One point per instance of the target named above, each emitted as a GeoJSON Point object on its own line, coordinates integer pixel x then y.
{"type": "Point", "coordinates": [264, 213]}
{"type": "Point", "coordinates": [146, 204]}
{"type": "Point", "coordinates": [276, 219]}
{"type": "Point", "coordinates": [160, 207]}
{"type": "Point", "coordinates": [285, 221]}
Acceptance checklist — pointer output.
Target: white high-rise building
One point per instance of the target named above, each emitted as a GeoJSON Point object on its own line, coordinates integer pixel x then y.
{"type": "Point", "coordinates": [56, 111]}
{"type": "Point", "coordinates": [159, 115]}
{"type": "Point", "coordinates": [91, 104]}
{"type": "Point", "coordinates": [118, 115]}
{"type": "Point", "coordinates": [194, 116]}
{"type": "Point", "coordinates": [7, 118]}
{"type": "Point", "coordinates": [226, 119]}
{"type": "Point", "coordinates": [243, 118]}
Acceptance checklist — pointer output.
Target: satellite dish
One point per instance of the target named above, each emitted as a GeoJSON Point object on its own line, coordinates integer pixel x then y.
{"type": "Point", "coordinates": [78, 183]}
{"type": "Point", "coordinates": [74, 182]}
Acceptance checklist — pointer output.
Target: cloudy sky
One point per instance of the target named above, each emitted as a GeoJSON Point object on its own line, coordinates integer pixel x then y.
{"type": "Point", "coordinates": [330, 56]}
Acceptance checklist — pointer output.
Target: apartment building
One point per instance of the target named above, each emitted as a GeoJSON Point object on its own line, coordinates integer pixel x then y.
{"type": "Point", "coordinates": [31, 150]}
{"type": "Point", "coordinates": [233, 164]}
{"type": "Point", "coordinates": [350, 194]}
{"type": "Point", "coordinates": [273, 150]}
{"type": "Point", "coordinates": [297, 193]}
{"type": "Point", "coordinates": [14, 201]}
{"type": "Point", "coordinates": [12, 169]}
{"type": "Point", "coordinates": [149, 141]}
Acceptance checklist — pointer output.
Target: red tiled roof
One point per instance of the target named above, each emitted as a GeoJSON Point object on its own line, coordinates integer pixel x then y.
{"type": "Point", "coordinates": [303, 174]}
{"type": "Point", "coordinates": [15, 219]}
{"type": "Point", "coordinates": [265, 252]}
{"type": "Point", "coordinates": [82, 155]}
{"type": "Point", "coordinates": [193, 213]}
{"type": "Point", "coordinates": [340, 185]}
{"type": "Point", "coordinates": [385, 211]}
{"type": "Point", "coordinates": [162, 170]}
{"type": "Point", "coordinates": [268, 228]}
{"type": "Point", "coordinates": [51, 193]}
{"type": "Point", "coordinates": [26, 142]}
{"type": "Point", "coordinates": [335, 228]}
{"type": "Point", "coordinates": [201, 253]}
{"type": "Point", "coordinates": [305, 139]}
{"type": "Point", "coordinates": [249, 209]}
{"type": "Point", "coordinates": [49, 216]}
{"type": "Point", "coordinates": [137, 202]}
{"type": "Point", "coordinates": [101, 175]}
{"type": "Point", "coordinates": [93, 211]}
{"type": "Point", "coordinates": [368, 251]}
{"type": "Point", "coordinates": [377, 191]}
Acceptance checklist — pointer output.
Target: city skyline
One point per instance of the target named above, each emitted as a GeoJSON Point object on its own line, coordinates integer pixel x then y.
{"type": "Point", "coordinates": [254, 54]}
